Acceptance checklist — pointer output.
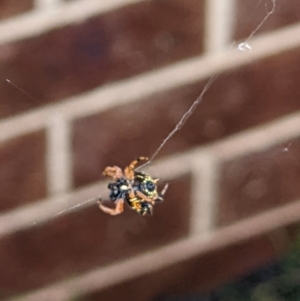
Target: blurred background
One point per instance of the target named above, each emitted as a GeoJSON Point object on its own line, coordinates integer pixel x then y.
{"type": "Point", "coordinates": [86, 84]}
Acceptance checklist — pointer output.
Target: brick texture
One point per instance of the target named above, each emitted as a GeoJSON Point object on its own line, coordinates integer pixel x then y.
{"type": "Point", "coordinates": [286, 13]}
{"type": "Point", "coordinates": [22, 170]}
{"type": "Point", "coordinates": [93, 239]}
{"type": "Point", "coordinates": [258, 182]}
{"type": "Point", "coordinates": [237, 101]}
{"type": "Point", "coordinates": [254, 92]}
{"type": "Point", "coordinates": [103, 49]}
{"type": "Point", "coordinates": [9, 8]}
{"type": "Point", "coordinates": [194, 274]}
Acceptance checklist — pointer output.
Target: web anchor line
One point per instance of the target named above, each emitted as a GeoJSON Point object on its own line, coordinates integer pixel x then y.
{"type": "Point", "coordinates": [242, 47]}
{"type": "Point", "coordinates": [183, 119]}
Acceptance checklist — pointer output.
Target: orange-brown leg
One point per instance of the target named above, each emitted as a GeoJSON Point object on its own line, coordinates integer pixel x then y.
{"type": "Point", "coordinates": [112, 211]}
{"type": "Point", "coordinates": [129, 169]}
{"type": "Point", "coordinates": [164, 190]}
{"type": "Point", "coordinates": [131, 191]}
{"type": "Point", "coordinates": [160, 196]}
{"type": "Point", "coordinates": [144, 197]}
{"type": "Point", "coordinates": [114, 172]}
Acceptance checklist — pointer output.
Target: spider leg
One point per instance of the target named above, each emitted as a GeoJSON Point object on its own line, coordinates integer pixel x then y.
{"type": "Point", "coordinates": [151, 212]}
{"type": "Point", "coordinates": [144, 197]}
{"type": "Point", "coordinates": [131, 191]}
{"type": "Point", "coordinates": [130, 168]}
{"type": "Point", "coordinates": [114, 172]}
{"type": "Point", "coordinates": [112, 211]}
{"type": "Point", "coordinates": [160, 196]}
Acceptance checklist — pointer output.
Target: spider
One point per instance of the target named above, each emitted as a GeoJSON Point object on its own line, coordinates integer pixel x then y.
{"type": "Point", "coordinates": [138, 189]}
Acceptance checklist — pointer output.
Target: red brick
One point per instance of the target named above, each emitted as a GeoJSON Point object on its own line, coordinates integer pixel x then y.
{"type": "Point", "coordinates": [88, 239]}
{"type": "Point", "coordinates": [259, 181]}
{"type": "Point", "coordinates": [22, 170]}
{"type": "Point", "coordinates": [9, 8]}
{"type": "Point", "coordinates": [237, 101]}
{"type": "Point", "coordinates": [249, 14]}
{"type": "Point", "coordinates": [110, 47]}
{"type": "Point", "coordinates": [200, 274]}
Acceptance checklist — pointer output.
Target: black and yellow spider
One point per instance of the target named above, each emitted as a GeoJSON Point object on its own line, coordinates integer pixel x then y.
{"type": "Point", "coordinates": [138, 189]}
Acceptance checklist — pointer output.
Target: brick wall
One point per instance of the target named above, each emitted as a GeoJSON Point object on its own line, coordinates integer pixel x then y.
{"type": "Point", "coordinates": [105, 82]}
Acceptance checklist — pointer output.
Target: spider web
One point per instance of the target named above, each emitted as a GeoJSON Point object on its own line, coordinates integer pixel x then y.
{"type": "Point", "coordinates": [245, 45]}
